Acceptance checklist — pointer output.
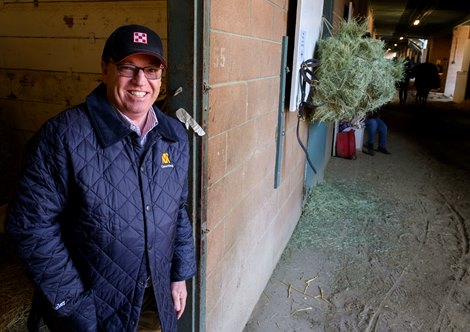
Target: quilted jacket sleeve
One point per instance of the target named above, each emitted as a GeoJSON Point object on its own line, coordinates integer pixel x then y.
{"type": "Point", "coordinates": [184, 262]}
{"type": "Point", "coordinates": [33, 223]}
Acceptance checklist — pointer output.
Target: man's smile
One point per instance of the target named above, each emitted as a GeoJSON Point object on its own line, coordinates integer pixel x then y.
{"type": "Point", "coordinates": [139, 94]}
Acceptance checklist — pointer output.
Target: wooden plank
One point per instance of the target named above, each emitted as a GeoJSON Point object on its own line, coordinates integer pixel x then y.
{"type": "Point", "coordinates": [51, 87]}
{"type": "Point", "coordinates": [38, 3]}
{"type": "Point", "coordinates": [80, 20]}
{"type": "Point", "coordinates": [71, 55]}
{"type": "Point", "coordinates": [69, 37]}
{"type": "Point", "coordinates": [51, 51]}
{"type": "Point", "coordinates": [28, 116]}
{"type": "Point", "coordinates": [46, 86]}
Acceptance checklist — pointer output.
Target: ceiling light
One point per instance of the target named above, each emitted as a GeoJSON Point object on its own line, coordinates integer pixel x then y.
{"type": "Point", "coordinates": [416, 22]}
{"type": "Point", "coordinates": [401, 38]}
{"type": "Point", "coordinates": [394, 44]}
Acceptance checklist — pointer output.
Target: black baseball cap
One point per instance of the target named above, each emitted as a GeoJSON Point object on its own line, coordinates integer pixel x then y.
{"type": "Point", "coordinates": [132, 39]}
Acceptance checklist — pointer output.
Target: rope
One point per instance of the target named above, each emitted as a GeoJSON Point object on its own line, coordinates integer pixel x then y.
{"type": "Point", "coordinates": [307, 76]}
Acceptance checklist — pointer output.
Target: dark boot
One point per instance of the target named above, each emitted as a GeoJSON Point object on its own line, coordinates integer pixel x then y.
{"type": "Point", "coordinates": [370, 149]}
{"type": "Point", "coordinates": [383, 150]}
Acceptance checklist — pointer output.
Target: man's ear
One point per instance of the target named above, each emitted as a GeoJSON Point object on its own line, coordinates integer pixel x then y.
{"type": "Point", "coordinates": [104, 70]}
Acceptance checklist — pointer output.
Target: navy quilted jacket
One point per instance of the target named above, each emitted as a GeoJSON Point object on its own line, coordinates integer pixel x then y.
{"type": "Point", "coordinates": [93, 207]}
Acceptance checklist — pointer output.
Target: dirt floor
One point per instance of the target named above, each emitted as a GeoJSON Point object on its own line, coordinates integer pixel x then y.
{"type": "Point", "coordinates": [383, 244]}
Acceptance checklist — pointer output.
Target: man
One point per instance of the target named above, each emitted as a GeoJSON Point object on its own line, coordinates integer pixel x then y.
{"type": "Point", "coordinates": [99, 214]}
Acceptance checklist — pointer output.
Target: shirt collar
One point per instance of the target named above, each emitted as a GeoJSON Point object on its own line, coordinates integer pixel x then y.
{"type": "Point", "coordinates": [108, 125]}
{"type": "Point", "coordinates": [150, 122]}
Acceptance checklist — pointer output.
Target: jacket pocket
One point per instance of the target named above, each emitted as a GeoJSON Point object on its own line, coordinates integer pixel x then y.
{"type": "Point", "coordinates": [79, 318]}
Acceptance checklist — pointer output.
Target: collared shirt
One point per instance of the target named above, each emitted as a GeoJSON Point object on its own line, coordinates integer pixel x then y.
{"type": "Point", "coordinates": [151, 122]}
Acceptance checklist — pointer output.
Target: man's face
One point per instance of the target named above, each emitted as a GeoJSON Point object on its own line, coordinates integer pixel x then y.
{"type": "Point", "coordinates": [134, 95]}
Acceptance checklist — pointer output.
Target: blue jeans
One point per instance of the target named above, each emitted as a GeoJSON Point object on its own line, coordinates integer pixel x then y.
{"type": "Point", "coordinates": [374, 125]}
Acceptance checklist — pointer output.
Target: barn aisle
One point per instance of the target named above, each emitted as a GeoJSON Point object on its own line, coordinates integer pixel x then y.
{"type": "Point", "coordinates": [383, 244]}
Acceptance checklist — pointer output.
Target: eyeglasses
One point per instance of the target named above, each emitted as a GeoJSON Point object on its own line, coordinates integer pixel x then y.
{"type": "Point", "coordinates": [128, 70]}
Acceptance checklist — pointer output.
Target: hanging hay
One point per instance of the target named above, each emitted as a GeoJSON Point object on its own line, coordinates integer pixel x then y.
{"type": "Point", "coordinates": [354, 77]}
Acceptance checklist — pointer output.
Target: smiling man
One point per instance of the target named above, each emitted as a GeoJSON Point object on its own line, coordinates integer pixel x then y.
{"type": "Point", "coordinates": [99, 213]}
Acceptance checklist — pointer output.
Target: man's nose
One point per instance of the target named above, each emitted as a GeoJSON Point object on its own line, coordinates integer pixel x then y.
{"type": "Point", "coordinates": [139, 75]}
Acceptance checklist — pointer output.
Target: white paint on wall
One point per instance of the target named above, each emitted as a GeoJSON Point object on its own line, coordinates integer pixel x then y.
{"type": "Point", "coordinates": [458, 61]}
{"type": "Point", "coordinates": [307, 33]}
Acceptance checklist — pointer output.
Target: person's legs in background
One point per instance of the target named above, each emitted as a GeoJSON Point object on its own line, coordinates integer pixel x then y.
{"type": "Point", "coordinates": [371, 126]}
{"type": "Point", "coordinates": [401, 92]}
{"type": "Point", "coordinates": [405, 93]}
{"type": "Point", "coordinates": [382, 130]}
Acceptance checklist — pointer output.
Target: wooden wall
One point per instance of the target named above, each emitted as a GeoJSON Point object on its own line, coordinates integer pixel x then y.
{"type": "Point", "coordinates": [50, 59]}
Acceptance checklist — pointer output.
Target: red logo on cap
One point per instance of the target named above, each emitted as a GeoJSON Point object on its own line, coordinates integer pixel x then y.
{"type": "Point", "coordinates": [140, 37]}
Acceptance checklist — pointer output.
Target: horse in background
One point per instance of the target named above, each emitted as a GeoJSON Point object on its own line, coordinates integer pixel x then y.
{"type": "Point", "coordinates": [426, 77]}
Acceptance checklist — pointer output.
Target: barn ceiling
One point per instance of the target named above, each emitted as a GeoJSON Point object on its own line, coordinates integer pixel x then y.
{"type": "Point", "coordinates": [394, 18]}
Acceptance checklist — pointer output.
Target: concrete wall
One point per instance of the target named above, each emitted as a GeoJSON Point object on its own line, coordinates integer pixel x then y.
{"type": "Point", "coordinates": [439, 49]}
{"type": "Point", "coordinates": [50, 59]}
{"type": "Point", "coordinates": [458, 61]}
{"type": "Point", "coordinates": [249, 221]}
{"type": "Point", "coordinates": [439, 52]}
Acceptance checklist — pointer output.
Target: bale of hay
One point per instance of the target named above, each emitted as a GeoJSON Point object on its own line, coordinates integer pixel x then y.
{"type": "Point", "coordinates": [354, 77]}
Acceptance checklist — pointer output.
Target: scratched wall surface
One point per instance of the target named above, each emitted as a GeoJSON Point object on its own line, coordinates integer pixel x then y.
{"type": "Point", "coordinates": [50, 59]}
